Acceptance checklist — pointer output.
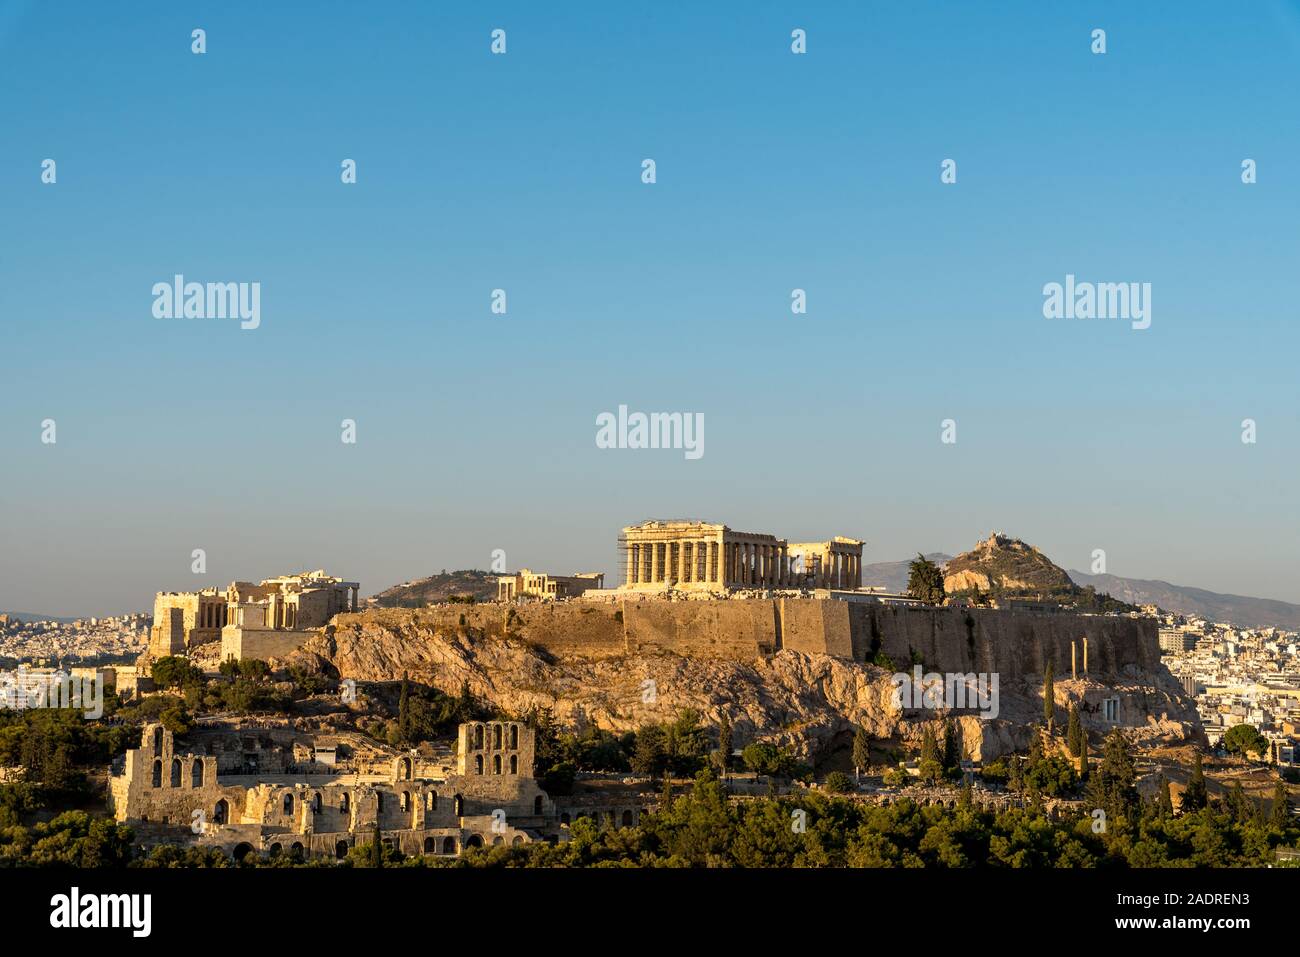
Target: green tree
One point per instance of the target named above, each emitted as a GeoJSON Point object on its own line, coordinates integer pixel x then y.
{"type": "Point", "coordinates": [1239, 807]}
{"type": "Point", "coordinates": [725, 743]}
{"type": "Point", "coordinates": [1072, 731]}
{"type": "Point", "coordinates": [925, 581]}
{"type": "Point", "coordinates": [1049, 698]}
{"type": "Point", "coordinates": [952, 748]}
{"type": "Point", "coordinates": [174, 671]}
{"type": "Point", "coordinates": [650, 754]}
{"type": "Point", "coordinates": [1242, 738]}
{"type": "Point", "coordinates": [861, 749]}
{"type": "Point", "coordinates": [1281, 814]}
{"type": "Point", "coordinates": [177, 720]}
{"type": "Point", "coordinates": [687, 744]}
{"type": "Point", "coordinates": [1196, 794]}
{"type": "Point", "coordinates": [931, 761]}
{"type": "Point", "coordinates": [837, 782]}
{"type": "Point", "coordinates": [254, 668]}
{"type": "Point", "coordinates": [1164, 799]}
{"type": "Point", "coordinates": [404, 710]}
{"type": "Point", "coordinates": [467, 705]}
{"type": "Point", "coordinates": [1113, 786]}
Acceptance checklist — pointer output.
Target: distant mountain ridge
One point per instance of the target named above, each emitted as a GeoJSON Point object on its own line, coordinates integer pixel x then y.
{"type": "Point", "coordinates": [1240, 610]}
{"type": "Point", "coordinates": [892, 576]}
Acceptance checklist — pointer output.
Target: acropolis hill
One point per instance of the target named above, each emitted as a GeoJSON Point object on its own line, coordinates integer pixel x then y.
{"type": "Point", "coordinates": [806, 690]}
{"type": "Point", "coordinates": [780, 636]}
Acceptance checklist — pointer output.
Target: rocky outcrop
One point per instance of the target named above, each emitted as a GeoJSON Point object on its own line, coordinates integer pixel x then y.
{"type": "Point", "coordinates": [1008, 565]}
{"type": "Point", "coordinates": [812, 703]}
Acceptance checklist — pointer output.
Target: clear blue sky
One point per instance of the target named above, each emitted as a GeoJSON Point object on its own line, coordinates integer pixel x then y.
{"type": "Point", "coordinates": [522, 172]}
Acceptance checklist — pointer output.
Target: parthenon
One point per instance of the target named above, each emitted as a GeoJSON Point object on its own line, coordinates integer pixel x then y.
{"type": "Point", "coordinates": [686, 554]}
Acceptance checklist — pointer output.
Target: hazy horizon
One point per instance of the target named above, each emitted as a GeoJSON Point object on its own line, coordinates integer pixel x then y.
{"type": "Point", "coordinates": [821, 171]}
{"type": "Point", "coordinates": [611, 573]}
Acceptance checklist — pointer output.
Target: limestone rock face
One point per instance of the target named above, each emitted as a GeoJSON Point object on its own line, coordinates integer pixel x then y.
{"type": "Point", "coordinates": [1005, 563]}
{"type": "Point", "coordinates": [811, 703]}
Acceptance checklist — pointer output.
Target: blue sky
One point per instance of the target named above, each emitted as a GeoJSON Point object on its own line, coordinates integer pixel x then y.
{"type": "Point", "coordinates": [775, 171]}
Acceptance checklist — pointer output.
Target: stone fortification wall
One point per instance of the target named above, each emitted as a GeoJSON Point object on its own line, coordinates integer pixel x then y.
{"type": "Point", "coordinates": [945, 639]}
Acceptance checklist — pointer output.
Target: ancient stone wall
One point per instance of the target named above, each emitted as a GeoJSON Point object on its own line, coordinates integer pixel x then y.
{"type": "Point", "coordinates": [264, 643]}
{"type": "Point", "coordinates": [1011, 643]}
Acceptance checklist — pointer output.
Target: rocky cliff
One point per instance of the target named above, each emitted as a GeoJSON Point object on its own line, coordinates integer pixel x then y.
{"type": "Point", "coordinates": [809, 702]}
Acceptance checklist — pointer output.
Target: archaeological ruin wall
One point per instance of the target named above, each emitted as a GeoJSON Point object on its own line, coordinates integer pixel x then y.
{"type": "Point", "coordinates": [1011, 643]}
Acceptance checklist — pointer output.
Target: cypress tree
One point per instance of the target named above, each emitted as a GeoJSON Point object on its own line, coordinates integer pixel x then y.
{"type": "Point", "coordinates": [1015, 775]}
{"type": "Point", "coordinates": [465, 706]}
{"type": "Point", "coordinates": [1083, 754]}
{"type": "Point", "coordinates": [931, 763]}
{"type": "Point", "coordinates": [1239, 806]}
{"type": "Point", "coordinates": [724, 743]}
{"type": "Point", "coordinates": [1118, 776]}
{"type": "Point", "coordinates": [1164, 800]}
{"type": "Point", "coordinates": [1035, 749]}
{"type": "Point", "coordinates": [1072, 732]}
{"type": "Point", "coordinates": [377, 848]}
{"type": "Point", "coordinates": [861, 750]}
{"type": "Point", "coordinates": [1049, 698]}
{"type": "Point", "coordinates": [404, 710]}
{"type": "Point", "coordinates": [1281, 807]}
{"type": "Point", "coordinates": [952, 748]}
{"type": "Point", "coordinates": [1195, 795]}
